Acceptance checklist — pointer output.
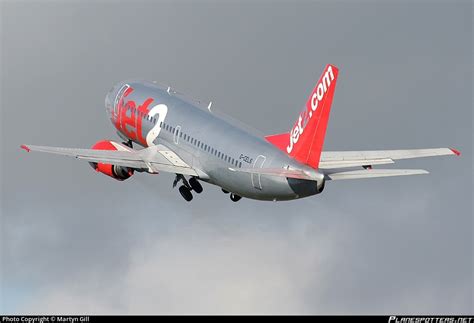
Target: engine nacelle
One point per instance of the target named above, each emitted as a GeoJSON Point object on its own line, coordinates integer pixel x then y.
{"type": "Point", "coordinates": [119, 173]}
{"type": "Point", "coordinates": [320, 186]}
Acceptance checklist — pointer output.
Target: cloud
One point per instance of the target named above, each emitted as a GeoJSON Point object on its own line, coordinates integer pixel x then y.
{"type": "Point", "coordinates": [327, 262]}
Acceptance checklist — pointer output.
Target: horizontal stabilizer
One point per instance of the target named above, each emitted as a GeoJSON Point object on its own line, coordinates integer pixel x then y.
{"type": "Point", "coordinates": [373, 173]}
{"type": "Point", "coordinates": [353, 163]}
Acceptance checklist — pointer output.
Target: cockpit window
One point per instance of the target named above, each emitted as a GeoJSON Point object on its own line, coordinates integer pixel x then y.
{"type": "Point", "coordinates": [119, 95]}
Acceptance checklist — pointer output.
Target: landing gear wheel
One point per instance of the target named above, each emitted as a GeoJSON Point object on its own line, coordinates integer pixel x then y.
{"type": "Point", "coordinates": [225, 192]}
{"type": "Point", "coordinates": [185, 193]}
{"type": "Point", "coordinates": [235, 197]}
{"type": "Point", "coordinates": [195, 185]}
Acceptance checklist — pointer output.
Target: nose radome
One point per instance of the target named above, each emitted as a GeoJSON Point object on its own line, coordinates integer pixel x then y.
{"type": "Point", "coordinates": [110, 97]}
{"type": "Point", "coordinates": [108, 101]}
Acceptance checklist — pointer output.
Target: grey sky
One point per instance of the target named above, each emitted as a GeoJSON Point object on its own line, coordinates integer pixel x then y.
{"type": "Point", "coordinates": [73, 241]}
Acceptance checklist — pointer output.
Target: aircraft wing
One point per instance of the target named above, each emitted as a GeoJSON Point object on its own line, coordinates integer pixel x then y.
{"type": "Point", "coordinates": [332, 175]}
{"type": "Point", "coordinates": [155, 158]}
{"type": "Point", "coordinates": [343, 159]}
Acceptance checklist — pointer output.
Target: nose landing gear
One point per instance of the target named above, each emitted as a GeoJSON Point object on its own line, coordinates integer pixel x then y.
{"type": "Point", "coordinates": [235, 197]}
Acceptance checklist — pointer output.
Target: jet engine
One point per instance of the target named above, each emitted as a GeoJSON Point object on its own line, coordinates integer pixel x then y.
{"type": "Point", "coordinates": [119, 173]}
{"type": "Point", "coordinates": [320, 186]}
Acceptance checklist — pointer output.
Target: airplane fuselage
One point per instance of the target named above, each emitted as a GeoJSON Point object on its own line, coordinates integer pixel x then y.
{"type": "Point", "coordinates": [149, 115]}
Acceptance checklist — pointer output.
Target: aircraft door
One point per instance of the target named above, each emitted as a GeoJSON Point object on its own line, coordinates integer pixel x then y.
{"type": "Point", "coordinates": [177, 133]}
{"type": "Point", "coordinates": [256, 181]}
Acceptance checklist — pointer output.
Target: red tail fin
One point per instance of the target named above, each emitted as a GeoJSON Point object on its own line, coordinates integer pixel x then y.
{"type": "Point", "coordinates": [305, 140]}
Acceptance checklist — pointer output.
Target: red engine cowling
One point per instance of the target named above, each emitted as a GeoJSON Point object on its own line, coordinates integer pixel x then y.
{"type": "Point", "coordinates": [120, 173]}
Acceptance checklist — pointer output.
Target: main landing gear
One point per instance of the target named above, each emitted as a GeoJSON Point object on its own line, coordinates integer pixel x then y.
{"type": "Point", "coordinates": [195, 185]}
{"type": "Point", "coordinates": [233, 197]}
{"type": "Point", "coordinates": [185, 193]}
{"type": "Point", "coordinates": [185, 189]}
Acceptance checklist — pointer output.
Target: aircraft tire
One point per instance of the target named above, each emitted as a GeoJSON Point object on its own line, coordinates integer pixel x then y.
{"type": "Point", "coordinates": [185, 193]}
{"type": "Point", "coordinates": [235, 197]}
{"type": "Point", "coordinates": [196, 186]}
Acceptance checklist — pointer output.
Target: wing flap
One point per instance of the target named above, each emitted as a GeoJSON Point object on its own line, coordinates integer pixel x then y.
{"type": "Point", "coordinates": [373, 173]}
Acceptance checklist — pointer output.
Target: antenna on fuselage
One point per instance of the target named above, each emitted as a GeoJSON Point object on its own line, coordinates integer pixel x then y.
{"type": "Point", "coordinates": [209, 106]}
{"type": "Point", "coordinates": [168, 90]}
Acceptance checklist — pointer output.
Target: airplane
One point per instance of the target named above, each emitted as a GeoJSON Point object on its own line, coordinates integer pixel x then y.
{"type": "Point", "coordinates": [178, 136]}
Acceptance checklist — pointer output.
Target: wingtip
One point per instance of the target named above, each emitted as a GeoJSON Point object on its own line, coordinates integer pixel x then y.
{"type": "Point", "coordinates": [455, 151]}
{"type": "Point", "coordinates": [25, 147]}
